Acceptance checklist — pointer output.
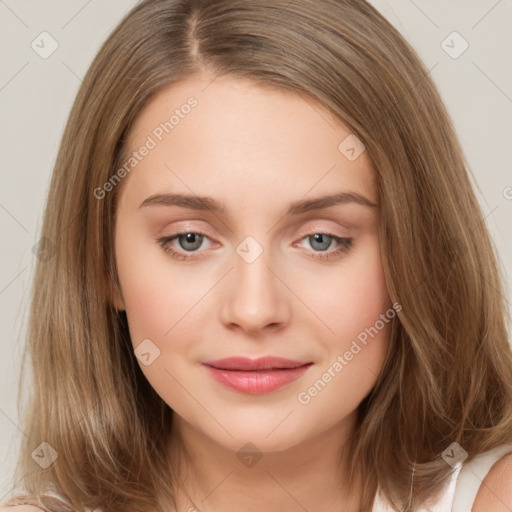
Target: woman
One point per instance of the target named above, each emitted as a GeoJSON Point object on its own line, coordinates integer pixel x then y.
{"type": "Point", "coordinates": [259, 368]}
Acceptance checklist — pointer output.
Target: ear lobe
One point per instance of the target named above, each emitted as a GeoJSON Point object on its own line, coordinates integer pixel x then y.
{"type": "Point", "coordinates": [116, 297]}
{"type": "Point", "coordinates": [118, 301]}
{"type": "Point", "coordinates": [118, 304]}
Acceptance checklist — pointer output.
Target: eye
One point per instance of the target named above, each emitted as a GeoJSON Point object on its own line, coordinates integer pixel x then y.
{"type": "Point", "coordinates": [322, 241]}
{"type": "Point", "coordinates": [191, 241]}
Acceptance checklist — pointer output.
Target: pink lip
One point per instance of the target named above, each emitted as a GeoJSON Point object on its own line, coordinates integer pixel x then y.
{"type": "Point", "coordinates": [256, 376]}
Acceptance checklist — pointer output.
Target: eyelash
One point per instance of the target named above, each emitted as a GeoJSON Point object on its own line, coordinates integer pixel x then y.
{"type": "Point", "coordinates": [344, 248]}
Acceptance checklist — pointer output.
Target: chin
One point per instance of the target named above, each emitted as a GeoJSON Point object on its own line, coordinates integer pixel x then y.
{"type": "Point", "coordinates": [259, 436]}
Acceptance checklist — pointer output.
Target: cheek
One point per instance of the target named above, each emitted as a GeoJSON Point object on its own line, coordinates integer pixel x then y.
{"type": "Point", "coordinates": [349, 297]}
{"type": "Point", "coordinates": [367, 313]}
{"type": "Point", "coordinates": [357, 314]}
{"type": "Point", "coordinates": [157, 294]}
{"type": "Point", "coordinates": [354, 356]}
{"type": "Point", "coordinates": [157, 299]}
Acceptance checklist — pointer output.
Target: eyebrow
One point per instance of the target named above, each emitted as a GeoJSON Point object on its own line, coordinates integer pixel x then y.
{"type": "Point", "coordinates": [296, 208]}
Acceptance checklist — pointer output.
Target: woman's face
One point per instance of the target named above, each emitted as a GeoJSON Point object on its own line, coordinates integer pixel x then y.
{"type": "Point", "coordinates": [251, 279]}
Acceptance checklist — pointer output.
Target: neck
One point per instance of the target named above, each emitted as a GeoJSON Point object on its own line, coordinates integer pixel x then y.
{"type": "Point", "coordinates": [216, 478]}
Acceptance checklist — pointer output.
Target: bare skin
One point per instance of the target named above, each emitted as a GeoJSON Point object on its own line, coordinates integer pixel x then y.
{"type": "Point", "coordinates": [255, 150]}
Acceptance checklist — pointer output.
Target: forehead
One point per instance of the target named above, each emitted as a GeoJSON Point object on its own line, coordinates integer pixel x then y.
{"type": "Point", "coordinates": [237, 138]}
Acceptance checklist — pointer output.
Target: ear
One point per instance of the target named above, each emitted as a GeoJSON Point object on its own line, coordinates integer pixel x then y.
{"type": "Point", "coordinates": [116, 296]}
{"type": "Point", "coordinates": [118, 302]}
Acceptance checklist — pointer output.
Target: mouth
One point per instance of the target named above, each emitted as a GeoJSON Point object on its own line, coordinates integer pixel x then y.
{"type": "Point", "coordinates": [256, 376]}
{"type": "Point", "coordinates": [261, 363]}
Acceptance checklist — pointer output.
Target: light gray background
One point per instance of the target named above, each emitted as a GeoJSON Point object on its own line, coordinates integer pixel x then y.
{"type": "Point", "coordinates": [36, 95]}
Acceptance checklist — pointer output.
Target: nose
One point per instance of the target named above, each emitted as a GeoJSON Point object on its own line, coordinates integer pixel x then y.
{"type": "Point", "coordinates": [255, 297]}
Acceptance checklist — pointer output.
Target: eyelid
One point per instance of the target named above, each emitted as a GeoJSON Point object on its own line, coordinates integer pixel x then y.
{"type": "Point", "coordinates": [306, 231]}
{"type": "Point", "coordinates": [345, 244]}
{"type": "Point", "coordinates": [340, 230]}
{"type": "Point", "coordinates": [180, 254]}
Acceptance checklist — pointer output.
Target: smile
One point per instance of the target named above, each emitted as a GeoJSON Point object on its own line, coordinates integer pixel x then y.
{"type": "Point", "coordinates": [258, 376]}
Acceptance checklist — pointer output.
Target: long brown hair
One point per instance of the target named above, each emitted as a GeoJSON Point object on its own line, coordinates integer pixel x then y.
{"type": "Point", "coordinates": [448, 373]}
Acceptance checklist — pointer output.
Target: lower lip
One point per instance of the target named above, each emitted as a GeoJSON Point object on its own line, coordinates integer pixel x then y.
{"type": "Point", "coordinates": [257, 382]}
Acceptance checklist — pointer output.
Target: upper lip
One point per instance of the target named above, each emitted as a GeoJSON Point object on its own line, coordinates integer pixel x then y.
{"type": "Point", "coordinates": [261, 363]}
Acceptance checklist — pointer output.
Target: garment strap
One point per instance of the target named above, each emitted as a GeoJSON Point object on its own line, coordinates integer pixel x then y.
{"type": "Point", "coordinates": [472, 475]}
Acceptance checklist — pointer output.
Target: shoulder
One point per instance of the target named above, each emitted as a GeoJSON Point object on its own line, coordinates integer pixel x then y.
{"type": "Point", "coordinates": [21, 508]}
{"type": "Point", "coordinates": [495, 492]}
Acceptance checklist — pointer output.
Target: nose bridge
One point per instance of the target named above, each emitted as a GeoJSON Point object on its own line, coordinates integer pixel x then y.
{"type": "Point", "coordinates": [255, 298]}
{"type": "Point", "coordinates": [254, 279]}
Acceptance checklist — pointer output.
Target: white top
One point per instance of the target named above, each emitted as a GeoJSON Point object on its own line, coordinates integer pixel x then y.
{"type": "Point", "coordinates": [460, 492]}
{"type": "Point", "coordinates": [462, 488]}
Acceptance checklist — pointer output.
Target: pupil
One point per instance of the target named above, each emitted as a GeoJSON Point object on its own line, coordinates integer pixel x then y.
{"type": "Point", "coordinates": [192, 241]}
{"type": "Point", "coordinates": [318, 238]}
